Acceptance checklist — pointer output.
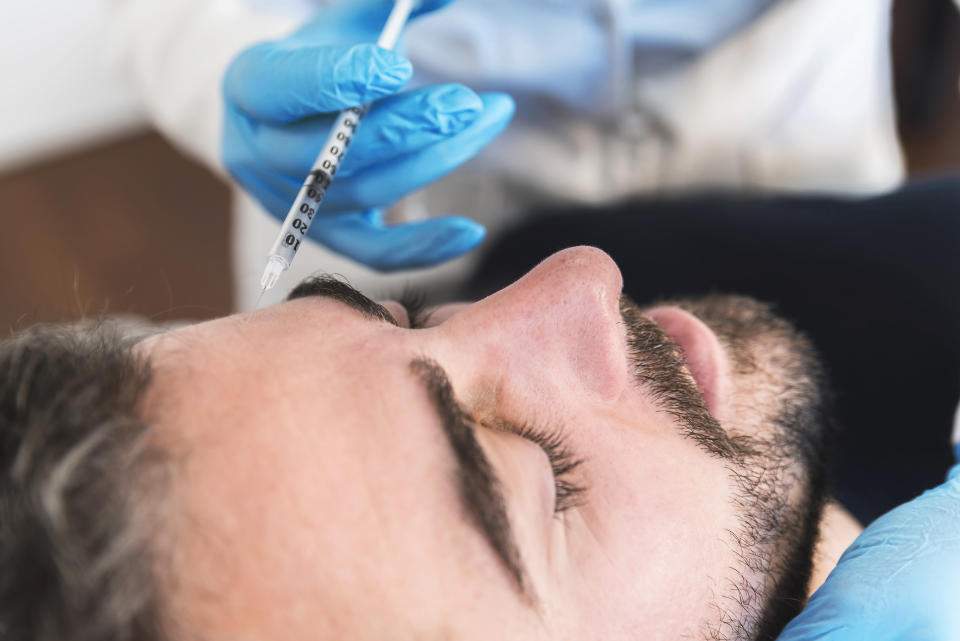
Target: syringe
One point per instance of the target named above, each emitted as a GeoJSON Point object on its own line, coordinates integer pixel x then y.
{"type": "Point", "coordinates": [315, 187]}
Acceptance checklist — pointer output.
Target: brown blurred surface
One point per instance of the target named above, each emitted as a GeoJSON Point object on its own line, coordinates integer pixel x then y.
{"type": "Point", "coordinates": [926, 66]}
{"type": "Point", "coordinates": [131, 227]}
{"type": "Point", "coordinates": [135, 227]}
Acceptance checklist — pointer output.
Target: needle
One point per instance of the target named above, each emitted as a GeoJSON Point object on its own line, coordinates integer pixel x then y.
{"type": "Point", "coordinates": [256, 306]}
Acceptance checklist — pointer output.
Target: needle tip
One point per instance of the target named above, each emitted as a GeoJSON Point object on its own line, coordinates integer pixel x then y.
{"type": "Point", "coordinates": [256, 306]}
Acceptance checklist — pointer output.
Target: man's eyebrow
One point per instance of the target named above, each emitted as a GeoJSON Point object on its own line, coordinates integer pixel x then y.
{"type": "Point", "coordinates": [481, 491]}
{"type": "Point", "coordinates": [330, 287]}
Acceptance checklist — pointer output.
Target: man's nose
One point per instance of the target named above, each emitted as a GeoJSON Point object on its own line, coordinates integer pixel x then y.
{"type": "Point", "coordinates": [559, 327]}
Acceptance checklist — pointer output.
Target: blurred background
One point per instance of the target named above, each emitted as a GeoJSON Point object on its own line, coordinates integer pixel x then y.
{"type": "Point", "coordinates": [100, 214]}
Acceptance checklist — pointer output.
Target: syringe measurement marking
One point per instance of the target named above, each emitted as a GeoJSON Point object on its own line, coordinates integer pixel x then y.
{"type": "Point", "coordinates": [286, 245]}
{"type": "Point", "coordinates": [318, 181]}
{"type": "Point", "coordinates": [316, 178]}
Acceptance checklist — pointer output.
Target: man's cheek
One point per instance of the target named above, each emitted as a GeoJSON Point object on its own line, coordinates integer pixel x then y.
{"type": "Point", "coordinates": [655, 495]}
{"type": "Point", "coordinates": [650, 548]}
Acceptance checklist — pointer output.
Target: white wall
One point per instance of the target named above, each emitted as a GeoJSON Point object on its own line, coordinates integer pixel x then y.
{"type": "Point", "coordinates": [58, 88]}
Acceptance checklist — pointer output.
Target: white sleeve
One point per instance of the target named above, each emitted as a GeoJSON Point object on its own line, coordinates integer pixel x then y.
{"type": "Point", "coordinates": [176, 53]}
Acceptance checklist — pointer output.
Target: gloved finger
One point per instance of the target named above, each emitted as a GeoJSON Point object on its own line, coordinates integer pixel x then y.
{"type": "Point", "coordinates": [366, 239]}
{"type": "Point", "coordinates": [395, 126]}
{"type": "Point", "coordinates": [406, 123]}
{"type": "Point", "coordinates": [388, 182]}
{"type": "Point", "coordinates": [272, 83]}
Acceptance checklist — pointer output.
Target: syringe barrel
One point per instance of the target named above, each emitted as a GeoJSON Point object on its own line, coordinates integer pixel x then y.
{"type": "Point", "coordinates": [300, 216]}
{"type": "Point", "coordinates": [297, 223]}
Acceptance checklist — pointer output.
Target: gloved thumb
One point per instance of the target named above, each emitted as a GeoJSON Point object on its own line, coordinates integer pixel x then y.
{"type": "Point", "coordinates": [273, 83]}
{"type": "Point", "coordinates": [365, 238]}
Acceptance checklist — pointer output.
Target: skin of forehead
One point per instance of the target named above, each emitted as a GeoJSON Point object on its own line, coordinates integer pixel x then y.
{"type": "Point", "coordinates": [203, 358]}
{"type": "Point", "coordinates": [220, 347]}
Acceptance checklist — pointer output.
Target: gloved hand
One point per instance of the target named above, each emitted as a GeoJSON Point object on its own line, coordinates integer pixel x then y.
{"type": "Point", "coordinates": [281, 98]}
{"type": "Point", "coordinates": [900, 580]}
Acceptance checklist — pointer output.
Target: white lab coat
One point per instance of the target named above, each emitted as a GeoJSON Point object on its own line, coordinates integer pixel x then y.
{"type": "Point", "coordinates": [798, 99]}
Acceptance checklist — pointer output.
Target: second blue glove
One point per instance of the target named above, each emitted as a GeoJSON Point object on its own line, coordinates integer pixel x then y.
{"type": "Point", "coordinates": [899, 581]}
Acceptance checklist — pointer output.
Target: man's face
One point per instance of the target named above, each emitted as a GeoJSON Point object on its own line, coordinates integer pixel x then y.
{"type": "Point", "coordinates": [341, 476]}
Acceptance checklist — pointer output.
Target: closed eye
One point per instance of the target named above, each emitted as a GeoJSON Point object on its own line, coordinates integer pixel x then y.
{"type": "Point", "coordinates": [563, 462]}
{"type": "Point", "coordinates": [413, 300]}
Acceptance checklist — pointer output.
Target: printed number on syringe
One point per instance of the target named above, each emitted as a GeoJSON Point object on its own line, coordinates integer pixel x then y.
{"type": "Point", "coordinates": [323, 177]}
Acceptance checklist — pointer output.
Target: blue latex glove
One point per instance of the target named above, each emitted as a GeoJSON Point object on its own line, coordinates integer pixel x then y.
{"type": "Point", "coordinates": [281, 98]}
{"type": "Point", "coordinates": [900, 580]}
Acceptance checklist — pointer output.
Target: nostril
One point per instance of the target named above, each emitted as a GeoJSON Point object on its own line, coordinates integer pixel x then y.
{"type": "Point", "coordinates": [563, 317]}
{"type": "Point", "coordinates": [581, 293]}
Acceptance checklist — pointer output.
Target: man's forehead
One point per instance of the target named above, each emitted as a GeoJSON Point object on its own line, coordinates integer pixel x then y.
{"type": "Point", "coordinates": [235, 335]}
{"type": "Point", "coordinates": [326, 355]}
{"type": "Point", "coordinates": [345, 504]}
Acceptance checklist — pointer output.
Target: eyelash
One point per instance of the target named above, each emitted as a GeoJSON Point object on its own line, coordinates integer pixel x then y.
{"type": "Point", "coordinates": [552, 442]}
{"type": "Point", "coordinates": [563, 462]}
{"type": "Point", "coordinates": [414, 302]}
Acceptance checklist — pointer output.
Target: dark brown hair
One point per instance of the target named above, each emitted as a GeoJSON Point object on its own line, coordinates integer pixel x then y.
{"type": "Point", "coordinates": [80, 488]}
